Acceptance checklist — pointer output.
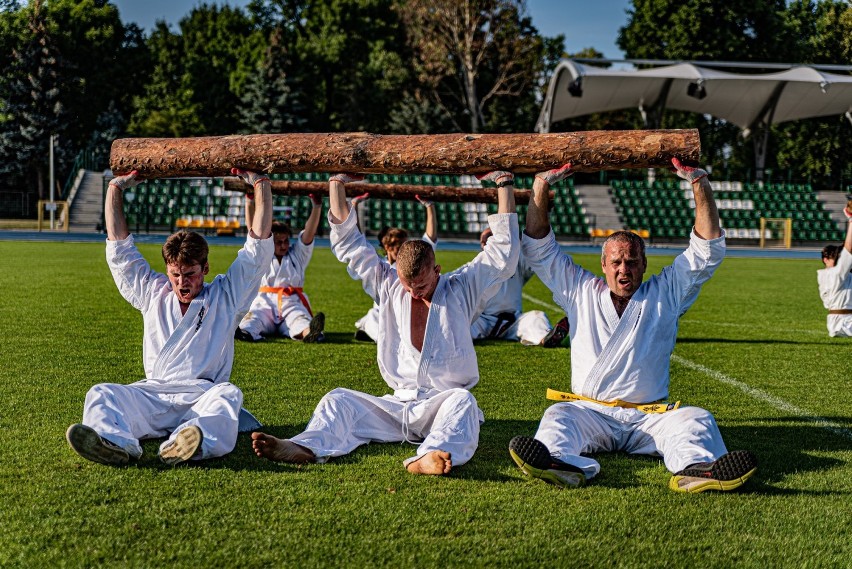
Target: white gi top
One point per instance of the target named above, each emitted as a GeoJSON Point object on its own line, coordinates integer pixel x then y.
{"type": "Point", "coordinates": [290, 272]}
{"type": "Point", "coordinates": [623, 358]}
{"type": "Point", "coordinates": [835, 288]}
{"type": "Point", "coordinates": [448, 359]}
{"type": "Point", "coordinates": [506, 297]}
{"type": "Point", "coordinates": [200, 344]}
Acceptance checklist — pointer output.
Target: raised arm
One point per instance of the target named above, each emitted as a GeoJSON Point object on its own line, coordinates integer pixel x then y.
{"type": "Point", "coordinates": [431, 219]}
{"type": "Point", "coordinates": [537, 220]}
{"type": "Point", "coordinates": [848, 211]}
{"type": "Point", "coordinates": [706, 215]}
{"type": "Point", "coordinates": [116, 223]}
{"type": "Point", "coordinates": [312, 223]}
{"type": "Point", "coordinates": [337, 195]}
{"type": "Point", "coordinates": [259, 213]}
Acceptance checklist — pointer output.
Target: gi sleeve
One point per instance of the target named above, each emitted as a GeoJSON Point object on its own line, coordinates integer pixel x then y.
{"type": "Point", "coordinates": [133, 276]}
{"type": "Point", "coordinates": [242, 280]}
{"type": "Point", "coordinates": [301, 251]}
{"type": "Point", "coordinates": [692, 268]}
{"type": "Point", "coordinates": [362, 261]}
{"type": "Point", "coordinates": [556, 270]}
{"type": "Point", "coordinates": [496, 263]}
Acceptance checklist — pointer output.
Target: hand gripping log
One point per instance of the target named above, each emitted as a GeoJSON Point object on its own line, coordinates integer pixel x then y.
{"type": "Point", "coordinates": [365, 153]}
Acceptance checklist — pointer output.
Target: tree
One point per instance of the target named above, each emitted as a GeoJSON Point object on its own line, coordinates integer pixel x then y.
{"type": "Point", "coordinates": [469, 53]}
{"type": "Point", "coordinates": [198, 74]}
{"type": "Point", "coordinates": [32, 107]}
{"type": "Point", "coordinates": [270, 100]}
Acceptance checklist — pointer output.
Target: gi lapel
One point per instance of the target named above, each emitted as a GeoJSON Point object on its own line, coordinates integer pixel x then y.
{"type": "Point", "coordinates": [439, 298]}
{"type": "Point", "coordinates": [617, 340]}
{"type": "Point", "coordinates": [188, 325]}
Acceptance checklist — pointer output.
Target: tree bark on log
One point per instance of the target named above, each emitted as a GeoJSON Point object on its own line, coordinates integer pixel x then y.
{"type": "Point", "coordinates": [591, 151]}
{"type": "Point", "coordinates": [386, 191]}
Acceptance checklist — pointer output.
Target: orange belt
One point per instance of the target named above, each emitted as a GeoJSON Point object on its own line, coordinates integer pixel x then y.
{"type": "Point", "coordinates": [283, 291]}
{"type": "Point", "coordinates": [840, 311]}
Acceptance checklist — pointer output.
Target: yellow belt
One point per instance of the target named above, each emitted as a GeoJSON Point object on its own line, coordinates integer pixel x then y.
{"type": "Point", "coordinates": [659, 407]}
{"type": "Point", "coordinates": [283, 291]}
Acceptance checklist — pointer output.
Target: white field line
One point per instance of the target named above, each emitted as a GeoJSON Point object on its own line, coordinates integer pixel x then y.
{"type": "Point", "coordinates": [761, 395]}
{"type": "Point", "coordinates": [758, 394]}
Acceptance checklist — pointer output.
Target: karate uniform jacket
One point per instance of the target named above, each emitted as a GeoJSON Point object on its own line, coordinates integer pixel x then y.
{"type": "Point", "coordinates": [448, 359]}
{"type": "Point", "coordinates": [623, 358]}
{"type": "Point", "coordinates": [835, 289]}
{"type": "Point", "coordinates": [181, 349]}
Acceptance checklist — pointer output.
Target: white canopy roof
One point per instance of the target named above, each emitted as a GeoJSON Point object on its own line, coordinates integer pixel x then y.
{"type": "Point", "coordinates": [741, 99]}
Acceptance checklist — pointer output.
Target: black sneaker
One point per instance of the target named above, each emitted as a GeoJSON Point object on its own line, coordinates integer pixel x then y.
{"type": "Point", "coordinates": [315, 335]}
{"type": "Point", "coordinates": [533, 458]}
{"type": "Point", "coordinates": [86, 442]}
{"type": "Point", "coordinates": [727, 473]}
{"type": "Point", "coordinates": [362, 336]}
{"type": "Point", "coordinates": [557, 334]}
{"type": "Point", "coordinates": [242, 335]}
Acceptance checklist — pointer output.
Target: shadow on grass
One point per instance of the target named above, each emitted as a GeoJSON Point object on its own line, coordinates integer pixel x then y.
{"type": "Point", "coordinates": [330, 338]}
{"type": "Point", "coordinates": [782, 450]}
{"type": "Point", "coordinates": [742, 341]}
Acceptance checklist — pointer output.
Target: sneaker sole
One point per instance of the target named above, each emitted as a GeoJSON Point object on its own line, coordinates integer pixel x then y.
{"type": "Point", "coordinates": [87, 443]}
{"type": "Point", "coordinates": [732, 470]}
{"type": "Point", "coordinates": [316, 329]}
{"type": "Point", "coordinates": [535, 463]}
{"type": "Point", "coordinates": [183, 447]}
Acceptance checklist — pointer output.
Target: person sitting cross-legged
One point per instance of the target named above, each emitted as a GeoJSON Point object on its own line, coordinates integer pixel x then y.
{"type": "Point", "coordinates": [424, 349]}
{"type": "Point", "coordinates": [623, 334]}
{"type": "Point", "coordinates": [281, 307]}
{"type": "Point", "coordinates": [188, 342]}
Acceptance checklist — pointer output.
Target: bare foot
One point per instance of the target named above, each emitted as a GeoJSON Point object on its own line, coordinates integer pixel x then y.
{"type": "Point", "coordinates": [436, 463]}
{"type": "Point", "coordinates": [280, 450]}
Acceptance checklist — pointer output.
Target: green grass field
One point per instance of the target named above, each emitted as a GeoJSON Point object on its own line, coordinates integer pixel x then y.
{"type": "Point", "coordinates": [753, 350]}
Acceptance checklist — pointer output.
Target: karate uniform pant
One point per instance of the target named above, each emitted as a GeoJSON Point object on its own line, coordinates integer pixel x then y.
{"type": "Point", "coordinates": [126, 414]}
{"type": "Point", "coordinates": [682, 437]}
{"type": "Point", "coordinates": [294, 319]}
{"type": "Point", "coordinates": [529, 328]}
{"type": "Point", "coordinates": [345, 419]}
{"type": "Point", "coordinates": [369, 323]}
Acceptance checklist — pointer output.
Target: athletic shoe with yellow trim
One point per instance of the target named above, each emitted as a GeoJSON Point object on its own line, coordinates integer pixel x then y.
{"type": "Point", "coordinates": [533, 458]}
{"type": "Point", "coordinates": [86, 442]}
{"type": "Point", "coordinates": [727, 473]}
{"type": "Point", "coordinates": [559, 332]}
{"type": "Point", "coordinates": [183, 447]}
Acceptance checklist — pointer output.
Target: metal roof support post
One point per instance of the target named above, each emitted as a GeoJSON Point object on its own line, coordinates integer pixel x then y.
{"type": "Point", "coordinates": [762, 125]}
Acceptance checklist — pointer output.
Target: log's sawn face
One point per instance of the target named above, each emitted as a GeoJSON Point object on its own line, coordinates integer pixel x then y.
{"type": "Point", "coordinates": [590, 151]}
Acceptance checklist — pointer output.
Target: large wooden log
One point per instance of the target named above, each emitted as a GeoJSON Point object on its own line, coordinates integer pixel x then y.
{"type": "Point", "coordinates": [590, 151]}
{"type": "Point", "coordinates": [385, 191]}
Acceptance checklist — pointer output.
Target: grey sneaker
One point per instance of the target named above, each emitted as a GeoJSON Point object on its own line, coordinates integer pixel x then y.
{"type": "Point", "coordinates": [315, 332]}
{"type": "Point", "coordinates": [86, 442]}
{"type": "Point", "coordinates": [533, 458]}
{"type": "Point", "coordinates": [183, 447]}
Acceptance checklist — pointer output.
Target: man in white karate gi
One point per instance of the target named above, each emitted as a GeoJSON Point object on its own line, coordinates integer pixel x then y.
{"type": "Point", "coordinates": [502, 316]}
{"type": "Point", "coordinates": [188, 343]}
{"type": "Point", "coordinates": [425, 350]}
{"type": "Point", "coordinates": [835, 282]}
{"type": "Point", "coordinates": [281, 306]}
{"type": "Point", "coordinates": [622, 336]}
{"type": "Point", "coordinates": [391, 239]}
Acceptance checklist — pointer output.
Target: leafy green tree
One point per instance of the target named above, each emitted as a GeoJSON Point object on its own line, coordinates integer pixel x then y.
{"type": "Point", "coordinates": [352, 70]}
{"type": "Point", "coordinates": [198, 74]}
{"type": "Point", "coordinates": [270, 100]}
{"type": "Point", "coordinates": [32, 109]}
